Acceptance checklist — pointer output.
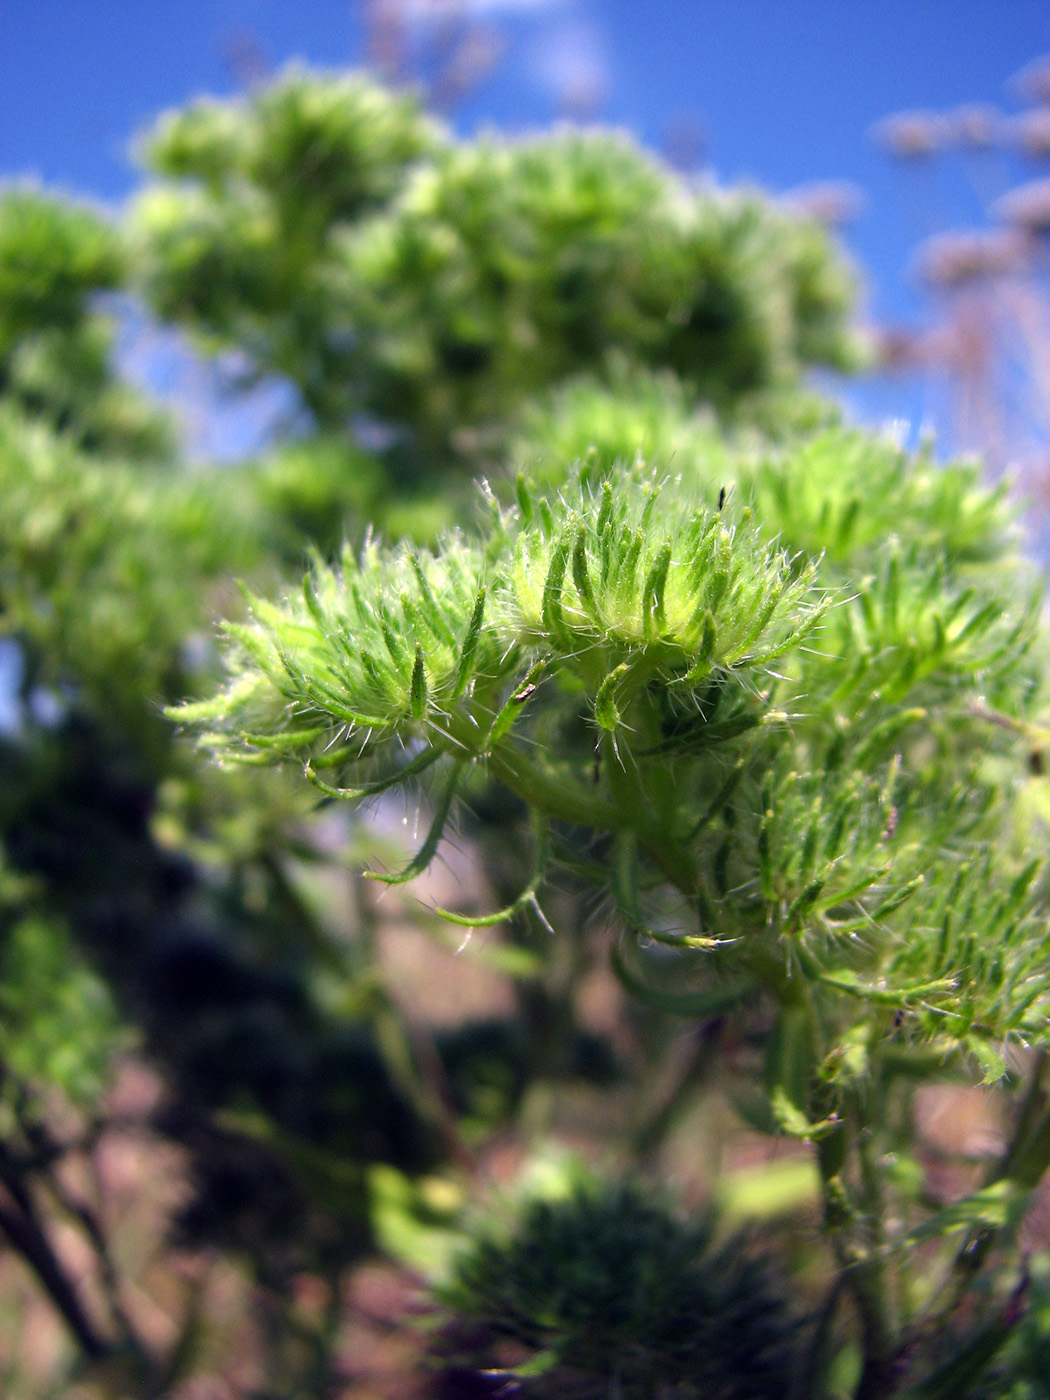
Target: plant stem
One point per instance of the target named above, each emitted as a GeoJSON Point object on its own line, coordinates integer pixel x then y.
{"type": "Point", "coordinates": [862, 1269]}
{"type": "Point", "coordinates": [870, 1284]}
{"type": "Point", "coordinates": [18, 1221]}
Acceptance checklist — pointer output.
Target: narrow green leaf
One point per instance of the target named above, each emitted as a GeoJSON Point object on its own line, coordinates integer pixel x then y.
{"type": "Point", "coordinates": [286, 739]}
{"type": "Point", "coordinates": [418, 693]}
{"type": "Point", "coordinates": [435, 617]}
{"type": "Point", "coordinates": [886, 733]}
{"type": "Point", "coordinates": [994, 1207]}
{"type": "Point", "coordinates": [526, 898]}
{"type": "Point", "coordinates": [377, 785]}
{"type": "Point", "coordinates": [551, 609]}
{"type": "Point", "coordinates": [429, 847]}
{"type": "Point", "coordinates": [701, 668]}
{"type": "Point", "coordinates": [581, 576]}
{"type": "Point", "coordinates": [791, 1121]}
{"type": "Point", "coordinates": [624, 888]}
{"type": "Point", "coordinates": [605, 512]}
{"type": "Point", "coordinates": [313, 605]}
{"type": "Point", "coordinates": [524, 499]}
{"type": "Point", "coordinates": [514, 705]}
{"type": "Point", "coordinates": [470, 646]}
{"type": "Point", "coordinates": [653, 592]}
{"type": "Point", "coordinates": [606, 711]}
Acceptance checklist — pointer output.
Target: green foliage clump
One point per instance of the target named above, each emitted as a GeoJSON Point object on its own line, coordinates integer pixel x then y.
{"type": "Point", "coordinates": [609, 1292]}
{"type": "Point", "coordinates": [52, 258]}
{"type": "Point", "coordinates": [437, 286]}
{"type": "Point", "coordinates": [844, 495]}
{"type": "Point", "coordinates": [634, 413]}
{"type": "Point", "coordinates": [55, 343]}
{"type": "Point", "coordinates": [631, 598]}
{"type": "Point", "coordinates": [310, 494]}
{"type": "Point", "coordinates": [527, 262]}
{"type": "Point", "coordinates": [797, 777]}
{"type": "Point", "coordinates": [329, 146]}
{"type": "Point", "coordinates": [102, 568]}
{"type": "Point", "coordinates": [61, 1029]}
{"type": "Point", "coordinates": [239, 245]}
{"type": "Point", "coordinates": [836, 493]}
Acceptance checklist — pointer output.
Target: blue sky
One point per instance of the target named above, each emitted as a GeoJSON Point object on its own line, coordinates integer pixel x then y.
{"type": "Point", "coordinates": [784, 91]}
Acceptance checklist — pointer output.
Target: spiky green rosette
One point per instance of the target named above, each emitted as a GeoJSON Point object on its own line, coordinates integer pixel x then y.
{"type": "Point", "coordinates": [802, 765]}
{"type": "Point", "coordinates": [624, 605]}
{"type": "Point", "coordinates": [608, 1292]}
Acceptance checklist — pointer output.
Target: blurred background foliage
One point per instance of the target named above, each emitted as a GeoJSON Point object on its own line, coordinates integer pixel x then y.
{"type": "Point", "coordinates": [433, 288]}
{"type": "Point", "coordinates": [245, 1104]}
{"type": "Point", "coordinates": [56, 262]}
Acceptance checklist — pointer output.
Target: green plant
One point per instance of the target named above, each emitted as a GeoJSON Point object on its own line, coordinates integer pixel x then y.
{"type": "Point", "coordinates": [607, 1291]}
{"type": "Point", "coordinates": [56, 259]}
{"type": "Point", "coordinates": [702, 674]}
{"type": "Point", "coordinates": [801, 777]}
{"type": "Point", "coordinates": [334, 236]}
